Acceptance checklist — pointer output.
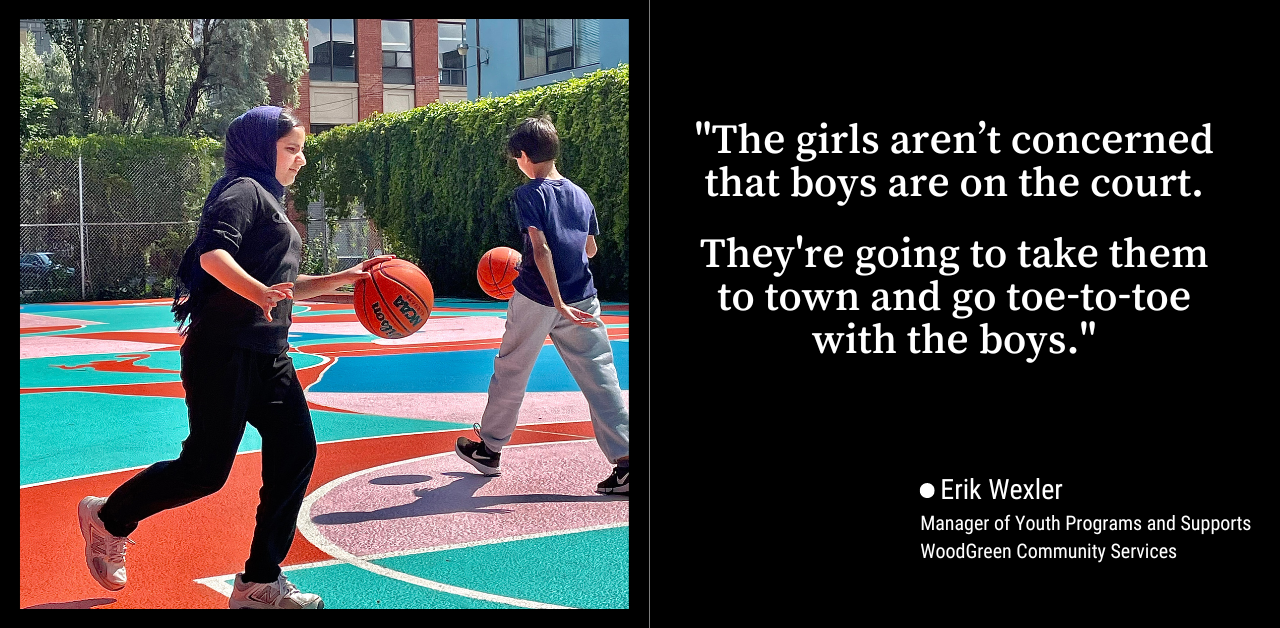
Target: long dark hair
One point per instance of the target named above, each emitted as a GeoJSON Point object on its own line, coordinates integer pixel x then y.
{"type": "Point", "coordinates": [286, 123]}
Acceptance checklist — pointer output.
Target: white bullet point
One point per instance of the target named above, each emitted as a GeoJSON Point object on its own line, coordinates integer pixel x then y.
{"type": "Point", "coordinates": [926, 490]}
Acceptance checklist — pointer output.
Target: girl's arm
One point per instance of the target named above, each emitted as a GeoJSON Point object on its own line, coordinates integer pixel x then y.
{"type": "Point", "coordinates": [308, 286]}
{"type": "Point", "coordinates": [225, 269]}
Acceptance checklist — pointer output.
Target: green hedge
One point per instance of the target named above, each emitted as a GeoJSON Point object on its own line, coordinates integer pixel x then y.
{"type": "Point", "coordinates": [130, 185]}
{"type": "Point", "coordinates": [168, 177]}
{"type": "Point", "coordinates": [436, 182]}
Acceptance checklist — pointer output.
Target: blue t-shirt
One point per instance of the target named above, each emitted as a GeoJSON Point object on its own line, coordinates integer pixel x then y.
{"type": "Point", "coordinates": [564, 214]}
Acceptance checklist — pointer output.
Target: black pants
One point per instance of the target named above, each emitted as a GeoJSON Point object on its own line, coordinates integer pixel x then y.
{"type": "Point", "coordinates": [226, 387]}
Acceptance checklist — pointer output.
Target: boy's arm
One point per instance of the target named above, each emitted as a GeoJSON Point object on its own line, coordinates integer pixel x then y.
{"type": "Point", "coordinates": [542, 257]}
{"type": "Point", "coordinates": [591, 246]}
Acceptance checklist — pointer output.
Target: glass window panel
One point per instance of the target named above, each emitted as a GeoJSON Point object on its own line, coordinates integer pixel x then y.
{"type": "Point", "coordinates": [588, 44]}
{"type": "Point", "coordinates": [450, 37]}
{"type": "Point", "coordinates": [450, 31]}
{"type": "Point", "coordinates": [560, 61]}
{"type": "Point", "coordinates": [321, 73]}
{"type": "Point", "coordinates": [559, 34]}
{"type": "Point", "coordinates": [395, 35]}
{"type": "Point", "coordinates": [388, 59]}
{"type": "Point", "coordinates": [344, 75]}
{"type": "Point", "coordinates": [404, 59]}
{"type": "Point", "coordinates": [453, 77]}
{"type": "Point", "coordinates": [317, 36]}
{"type": "Point", "coordinates": [345, 31]}
{"type": "Point", "coordinates": [324, 54]}
{"type": "Point", "coordinates": [397, 76]}
{"type": "Point", "coordinates": [344, 54]}
{"type": "Point", "coordinates": [451, 59]}
{"type": "Point", "coordinates": [534, 47]}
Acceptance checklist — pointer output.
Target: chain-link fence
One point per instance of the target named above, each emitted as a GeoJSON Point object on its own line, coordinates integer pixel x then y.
{"type": "Point", "coordinates": [94, 232]}
{"type": "Point", "coordinates": [351, 241]}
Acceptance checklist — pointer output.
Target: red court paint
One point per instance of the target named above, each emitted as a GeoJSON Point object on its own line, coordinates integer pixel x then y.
{"type": "Point", "coordinates": [208, 537]}
{"type": "Point", "coordinates": [119, 366]}
{"type": "Point", "coordinates": [39, 330]}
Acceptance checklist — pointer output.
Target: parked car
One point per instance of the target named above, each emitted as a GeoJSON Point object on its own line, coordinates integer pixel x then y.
{"type": "Point", "coordinates": [39, 270]}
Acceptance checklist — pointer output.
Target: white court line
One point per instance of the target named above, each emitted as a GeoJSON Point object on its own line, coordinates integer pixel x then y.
{"type": "Point", "coordinates": [81, 477]}
{"type": "Point", "coordinates": [239, 453]}
{"type": "Point", "coordinates": [528, 428]}
{"type": "Point", "coordinates": [518, 537]}
{"type": "Point", "coordinates": [312, 533]}
{"type": "Point", "coordinates": [219, 583]}
{"type": "Point", "coordinates": [327, 442]}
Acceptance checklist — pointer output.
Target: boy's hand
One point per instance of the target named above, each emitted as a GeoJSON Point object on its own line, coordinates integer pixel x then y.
{"type": "Point", "coordinates": [273, 295]}
{"type": "Point", "coordinates": [577, 316]}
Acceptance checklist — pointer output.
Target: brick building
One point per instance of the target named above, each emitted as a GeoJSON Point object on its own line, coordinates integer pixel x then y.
{"type": "Point", "coordinates": [361, 66]}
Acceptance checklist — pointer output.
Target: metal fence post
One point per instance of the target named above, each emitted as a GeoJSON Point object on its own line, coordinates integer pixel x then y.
{"type": "Point", "coordinates": [84, 270]}
{"type": "Point", "coordinates": [135, 216]}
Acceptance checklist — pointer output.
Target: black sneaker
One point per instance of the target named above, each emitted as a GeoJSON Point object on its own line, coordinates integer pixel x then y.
{"type": "Point", "coordinates": [476, 453]}
{"type": "Point", "coordinates": [616, 483]}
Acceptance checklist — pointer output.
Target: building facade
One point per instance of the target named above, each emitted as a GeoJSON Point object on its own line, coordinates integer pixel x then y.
{"type": "Point", "coordinates": [358, 67]}
{"type": "Point", "coordinates": [33, 30]}
{"type": "Point", "coordinates": [510, 55]}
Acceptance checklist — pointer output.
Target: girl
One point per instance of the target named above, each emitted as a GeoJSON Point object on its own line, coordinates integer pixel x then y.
{"type": "Point", "coordinates": [236, 288]}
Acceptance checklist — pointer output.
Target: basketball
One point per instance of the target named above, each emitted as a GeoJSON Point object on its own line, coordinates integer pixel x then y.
{"type": "Point", "coordinates": [498, 268]}
{"type": "Point", "coordinates": [395, 300]}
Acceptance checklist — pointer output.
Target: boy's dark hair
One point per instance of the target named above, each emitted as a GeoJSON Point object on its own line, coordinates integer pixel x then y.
{"type": "Point", "coordinates": [537, 137]}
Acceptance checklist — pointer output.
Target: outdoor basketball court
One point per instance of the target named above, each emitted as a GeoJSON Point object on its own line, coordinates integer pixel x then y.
{"type": "Point", "coordinates": [393, 519]}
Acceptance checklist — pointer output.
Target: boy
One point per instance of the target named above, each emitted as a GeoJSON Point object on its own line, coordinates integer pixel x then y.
{"type": "Point", "coordinates": [554, 295]}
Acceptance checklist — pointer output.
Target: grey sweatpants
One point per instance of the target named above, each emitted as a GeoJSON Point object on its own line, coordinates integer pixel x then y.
{"type": "Point", "coordinates": [585, 350]}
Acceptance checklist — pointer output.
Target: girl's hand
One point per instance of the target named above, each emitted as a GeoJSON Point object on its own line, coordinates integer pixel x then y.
{"type": "Point", "coordinates": [361, 270]}
{"type": "Point", "coordinates": [273, 295]}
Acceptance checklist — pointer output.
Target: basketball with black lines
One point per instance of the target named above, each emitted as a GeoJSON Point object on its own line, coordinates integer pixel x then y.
{"type": "Point", "coordinates": [395, 300]}
{"type": "Point", "coordinates": [498, 267]}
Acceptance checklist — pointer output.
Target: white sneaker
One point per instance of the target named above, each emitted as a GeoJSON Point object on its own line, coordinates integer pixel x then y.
{"type": "Point", "coordinates": [278, 594]}
{"type": "Point", "coordinates": [103, 551]}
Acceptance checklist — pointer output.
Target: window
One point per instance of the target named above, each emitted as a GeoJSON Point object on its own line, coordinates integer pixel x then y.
{"type": "Point", "coordinates": [452, 70]}
{"type": "Point", "coordinates": [317, 129]}
{"type": "Point", "coordinates": [397, 53]}
{"type": "Point", "coordinates": [331, 50]}
{"type": "Point", "coordinates": [548, 46]}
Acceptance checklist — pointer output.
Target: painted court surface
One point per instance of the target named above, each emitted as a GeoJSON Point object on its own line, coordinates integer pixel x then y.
{"type": "Point", "coordinates": [392, 519]}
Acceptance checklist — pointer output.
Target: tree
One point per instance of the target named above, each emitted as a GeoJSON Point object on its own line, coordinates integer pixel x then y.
{"type": "Point", "coordinates": [173, 77]}
{"type": "Point", "coordinates": [66, 120]}
{"type": "Point", "coordinates": [233, 59]}
{"type": "Point", "coordinates": [34, 105]}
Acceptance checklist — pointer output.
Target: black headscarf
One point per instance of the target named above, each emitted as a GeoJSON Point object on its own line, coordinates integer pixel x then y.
{"type": "Point", "coordinates": [250, 152]}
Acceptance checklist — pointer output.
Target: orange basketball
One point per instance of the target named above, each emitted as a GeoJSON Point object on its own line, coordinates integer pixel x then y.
{"type": "Point", "coordinates": [498, 268]}
{"type": "Point", "coordinates": [395, 300]}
